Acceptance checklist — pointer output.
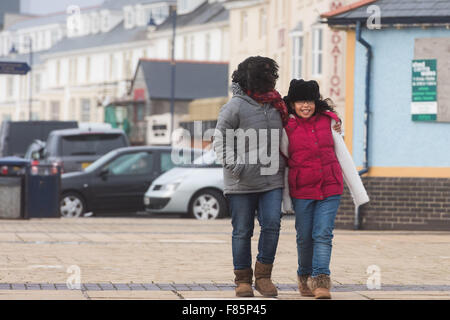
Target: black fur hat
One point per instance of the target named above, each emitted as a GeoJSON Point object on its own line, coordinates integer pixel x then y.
{"type": "Point", "coordinates": [301, 90]}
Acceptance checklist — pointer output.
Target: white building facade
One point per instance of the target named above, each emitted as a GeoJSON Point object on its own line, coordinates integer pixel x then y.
{"type": "Point", "coordinates": [85, 58]}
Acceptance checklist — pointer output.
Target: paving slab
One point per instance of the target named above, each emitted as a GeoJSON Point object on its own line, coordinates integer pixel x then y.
{"type": "Point", "coordinates": [192, 295]}
{"type": "Point", "coordinates": [152, 257]}
{"type": "Point", "coordinates": [41, 295]}
{"type": "Point", "coordinates": [406, 295]}
{"type": "Point", "coordinates": [132, 295]}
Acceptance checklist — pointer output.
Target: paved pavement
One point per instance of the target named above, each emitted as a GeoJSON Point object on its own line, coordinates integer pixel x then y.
{"type": "Point", "coordinates": [172, 259]}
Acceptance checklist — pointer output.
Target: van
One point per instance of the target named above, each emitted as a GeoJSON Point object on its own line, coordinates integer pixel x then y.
{"type": "Point", "coordinates": [75, 149]}
{"type": "Point", "coordinates": [16, 136]}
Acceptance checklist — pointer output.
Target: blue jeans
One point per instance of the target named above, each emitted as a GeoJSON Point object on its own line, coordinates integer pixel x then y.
{"type": "Point", "coordinates": [314, 222]}
{"type": "Point", "coordinates": [243, 208]}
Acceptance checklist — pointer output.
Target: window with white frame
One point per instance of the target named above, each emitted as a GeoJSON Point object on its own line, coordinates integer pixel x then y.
{"type": "Point", "coordinates": [73, 67]}
{"type": "Point", "coordinates": [297, 55]}
{"type": "Point", "coordinates": [104, 25]}
{"type": "Point", "coordinates": [86, 26]}
{"type": "Point", "coordinates": [185, 47]}
{"type": "Point", "coordinates": [10, 87]}
{"type": "Point", "coordinates": [44, 110]}
{"type": "Point", "coordinates": [262, 23]}
{"type": "Point", "coordinates": [85, 115]}
{"type": "Point", "coordinates": [57, 72]}
{"type": "Point", "coordinates": [54, 110]}
{"type": "Point", "coordinates": [244, 25]}
{"type": "Point", "coordinates": [280, 9]}
{"type": "Point", "coordinates": [129, 17]}
{"type": "Point", "coordinates": [72, 111]}
{"type": "Point", "coordinates": [54, 36]}
{"type": "Point", "coordinates": [317, 51]}
{"type": "Point", "coordinates": [95, 22]}
{"type": "Point", "coordinates": [112, 67]}
{"type": "Point", "coordinates": [37, 82]}
{"type": "Point", "coordinates": [127, 65]}
{"type": "Point", "coordinates": [88, 69]}
{"type": "Point", "coordinates": [207, 46]}
{"type": "Point", "coordinates": [140, 15]}
{"type": "Point", "coordinates": [183, 5]}
{"type": "Point", "coordinates": [192, 47]}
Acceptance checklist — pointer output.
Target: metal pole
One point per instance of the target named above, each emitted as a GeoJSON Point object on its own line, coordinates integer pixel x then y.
{"type": "Point", "coordinates": [365, 169]}
{"type": "Point", "coordinates": [30, 106]}
{"type": "Point", "coordinates": [173, 66]}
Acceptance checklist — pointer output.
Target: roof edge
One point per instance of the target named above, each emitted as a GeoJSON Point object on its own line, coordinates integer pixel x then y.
{"type": "Point", "coordinates": [347, 8]}
{"type": "Point", "coordinates": [426, 20]}
{"type": "Point", "coordinates": [183, 61]}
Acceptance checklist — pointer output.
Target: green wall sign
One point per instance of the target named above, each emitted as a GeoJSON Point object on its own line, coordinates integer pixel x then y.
{"type": "Point", "coordinates": [424, 90]}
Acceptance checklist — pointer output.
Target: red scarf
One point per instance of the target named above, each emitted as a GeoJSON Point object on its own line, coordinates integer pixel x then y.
{"type": "Point", "coordinates": [274, 98]}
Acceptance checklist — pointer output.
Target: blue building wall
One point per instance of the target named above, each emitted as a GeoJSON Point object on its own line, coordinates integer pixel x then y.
{"type": "Point", "coordinates": [395, 140]}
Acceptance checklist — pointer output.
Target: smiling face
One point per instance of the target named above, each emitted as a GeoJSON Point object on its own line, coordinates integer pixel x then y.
{"type": "Point", "coordinates": [304, 109]}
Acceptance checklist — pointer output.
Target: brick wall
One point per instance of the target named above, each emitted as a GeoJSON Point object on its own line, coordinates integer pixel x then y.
{"type": "Point", "coordinates": [400, 204]}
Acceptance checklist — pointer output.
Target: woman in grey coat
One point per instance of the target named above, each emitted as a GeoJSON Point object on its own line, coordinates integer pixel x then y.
{"type": "Point", "coordinates": [247, 141]}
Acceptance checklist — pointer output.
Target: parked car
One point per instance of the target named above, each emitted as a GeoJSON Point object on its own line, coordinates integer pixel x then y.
{"type": "Point", "coordinates": [116, 182]}
{"type": "Point", "coordinates": [196, 190]}
{"type": "Point", "coordinates": [16, 136]}
{"type": "Point", "coordinates": [75, 149]}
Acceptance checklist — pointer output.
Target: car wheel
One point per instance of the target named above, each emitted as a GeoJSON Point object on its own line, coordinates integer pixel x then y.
{"type": "Point", "coordinates": [72, 205]}
{"type": "Point", "coordinates": [208, 205]}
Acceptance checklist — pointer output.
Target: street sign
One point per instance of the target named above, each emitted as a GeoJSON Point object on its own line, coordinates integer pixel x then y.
{"type": "Point", "coordinates": [14, 68]}
{"type": "Point", "coordinates": [424, 90]}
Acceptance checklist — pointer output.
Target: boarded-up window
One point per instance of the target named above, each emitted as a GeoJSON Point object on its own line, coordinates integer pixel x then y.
{"type": "Point", "coordinates": [439, 49]}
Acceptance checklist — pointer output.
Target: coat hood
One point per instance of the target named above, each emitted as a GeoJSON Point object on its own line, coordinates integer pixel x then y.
{"type": "Point", "coordinates": [238, 92]}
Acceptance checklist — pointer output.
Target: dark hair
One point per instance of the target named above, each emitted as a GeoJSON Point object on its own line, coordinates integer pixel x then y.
{"type": "Point", "coordinates": [301, 90]}
{"type": "Point", "coordinates": [257, 74]}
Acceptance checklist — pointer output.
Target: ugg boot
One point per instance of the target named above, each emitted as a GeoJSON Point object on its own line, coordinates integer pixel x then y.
{"type": "Point", "coordinates": [263, 283]}
{"type": "Point", "coordinates": [243, 279]}
{"type": "Point", "coordinates": [305, 291]}
{"type": "Point", "coordinates": [320, 286]}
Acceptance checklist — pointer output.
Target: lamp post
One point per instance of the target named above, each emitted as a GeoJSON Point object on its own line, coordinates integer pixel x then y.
{"type": "Point", "coordinates": [14, 52]}
{"type": "Point", "coordinates": [173, 12]}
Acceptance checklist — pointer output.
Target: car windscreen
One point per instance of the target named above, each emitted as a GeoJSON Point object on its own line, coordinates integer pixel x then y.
{"type": "Point", "coordinates": [207, 159]}
{"type": "Point", "coordinates": [100, 162]}
{"type": "Point", "coordinates": [91, 144]}
{"type": "Point", "coordinates": [179, 158]}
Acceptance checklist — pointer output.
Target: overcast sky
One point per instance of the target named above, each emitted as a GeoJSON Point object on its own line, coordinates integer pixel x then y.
{"type": "Point", "coordinates": [51, 6]}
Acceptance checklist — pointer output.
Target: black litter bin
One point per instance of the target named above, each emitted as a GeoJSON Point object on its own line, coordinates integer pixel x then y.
{"type": "Point", "coordinates": [43, 189]}
{"type": "Point", "coordinates": [13, 179]}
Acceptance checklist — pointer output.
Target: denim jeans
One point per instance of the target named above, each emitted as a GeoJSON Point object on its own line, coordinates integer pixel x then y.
{"type": "Point", "coordinates": [243, 207]}
{"type": "Point", "coordinates": [314, 222]}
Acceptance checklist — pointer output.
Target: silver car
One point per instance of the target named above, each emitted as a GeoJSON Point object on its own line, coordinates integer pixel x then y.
{"type": "Point", "coordinates": [196, 190]}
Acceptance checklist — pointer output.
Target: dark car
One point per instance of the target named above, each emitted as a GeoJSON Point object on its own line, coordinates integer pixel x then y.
{"type": "Point", "coordinates": [116, 182]}
{"type": "Point", "coordinates": [16, 136]}
{"type": "Point", "coordinates": [75, 149]}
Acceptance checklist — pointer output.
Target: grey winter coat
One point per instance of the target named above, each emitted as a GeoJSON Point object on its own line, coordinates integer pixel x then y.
{"type": "Point", "coordinates": [247, 142]}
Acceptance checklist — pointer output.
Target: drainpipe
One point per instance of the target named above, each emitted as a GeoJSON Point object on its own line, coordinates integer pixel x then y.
{"type": "Point", "coordinates": [366, 113]}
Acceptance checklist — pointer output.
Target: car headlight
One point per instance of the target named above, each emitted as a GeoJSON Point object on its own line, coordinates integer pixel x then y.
{"type": "Point", "coordinates": [170, 186]}
{"type": "Point", "coordinates": [146, 201]}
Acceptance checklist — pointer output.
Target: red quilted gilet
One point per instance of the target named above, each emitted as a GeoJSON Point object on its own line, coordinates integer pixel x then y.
{"type": "Point", "coordinates": [314, 170]}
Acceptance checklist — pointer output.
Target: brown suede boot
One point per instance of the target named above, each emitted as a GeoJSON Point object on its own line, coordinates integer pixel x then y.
{"type": "Point", "coordinates": [320, 286]}
{"type": "Point", "coordinates": [305, 291]}
{"type": "Point", "coordinates": [243, 279]}
{"type": "Point", "coordinates": [263, 283]}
